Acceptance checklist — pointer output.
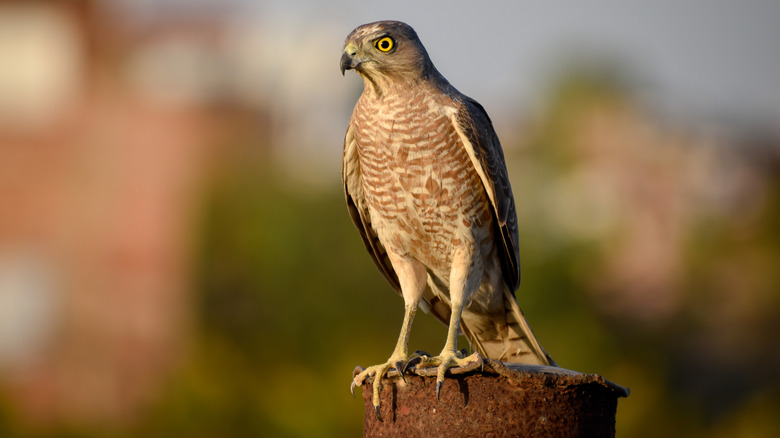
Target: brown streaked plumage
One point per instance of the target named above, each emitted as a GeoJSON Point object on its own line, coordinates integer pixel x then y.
{"type": "Point", "coordinates": [426, 185]}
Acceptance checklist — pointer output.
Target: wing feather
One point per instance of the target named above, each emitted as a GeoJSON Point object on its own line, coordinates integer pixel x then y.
{"type": "Point", "coordinates": [482, 144]}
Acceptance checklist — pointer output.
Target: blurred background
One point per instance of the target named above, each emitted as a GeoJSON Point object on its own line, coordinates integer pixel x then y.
{"type": "Point", "coordinates": [176, 258]}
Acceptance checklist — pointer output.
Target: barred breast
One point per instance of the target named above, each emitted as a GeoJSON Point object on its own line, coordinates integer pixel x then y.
{"type": "Point", "coordinates": [422, 190]}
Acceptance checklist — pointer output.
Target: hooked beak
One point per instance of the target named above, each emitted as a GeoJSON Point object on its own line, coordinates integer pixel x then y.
{"type": "Point", "coordinates": [348, 59]}
{"type": "Point", "coordinates": [346, 62]}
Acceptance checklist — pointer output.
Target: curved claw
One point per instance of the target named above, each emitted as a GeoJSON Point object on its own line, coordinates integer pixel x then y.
{"type": "Point", "coordinates": [401, 368]}
{"type": "Point", "coordinates": [378, 416]}
{"type": "Point", "coordinates": [358, 369]}
{"type": "Point", "coordinates": [421, 353]}
{"type": "Point", "coordinates": [438, 390]}
{"type": "Point", "coordinates": [377, 372]}
{"type": "Point", "coordinates": [412, 362]}
{"type": "Point", "coordinates": [416, 357]}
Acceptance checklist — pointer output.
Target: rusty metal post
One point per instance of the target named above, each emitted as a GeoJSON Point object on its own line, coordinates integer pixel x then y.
{"type": "Point", "coordinates": [499, 400]}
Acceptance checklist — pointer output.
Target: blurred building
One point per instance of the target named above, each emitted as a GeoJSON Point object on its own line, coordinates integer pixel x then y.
{"type": "Point", "coordinates": [112, 117]}
{"type": "Point", "coordinates": [99, 176]}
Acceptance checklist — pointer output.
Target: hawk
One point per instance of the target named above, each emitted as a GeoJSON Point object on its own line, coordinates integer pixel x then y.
{"type": "Point", "coordinates": [427, 188]}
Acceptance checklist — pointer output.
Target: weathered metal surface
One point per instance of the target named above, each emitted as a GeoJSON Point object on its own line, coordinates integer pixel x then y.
{"type": "Point", "coordinates": [500, 400]}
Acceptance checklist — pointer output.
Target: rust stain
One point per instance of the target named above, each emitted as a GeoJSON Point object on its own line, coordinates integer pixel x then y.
{"type": "Point", "coordinates": [502, 400]}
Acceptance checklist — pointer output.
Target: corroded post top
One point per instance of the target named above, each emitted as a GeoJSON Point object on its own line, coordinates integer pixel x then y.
{"type": "Point", "coordinates": [502, 399]}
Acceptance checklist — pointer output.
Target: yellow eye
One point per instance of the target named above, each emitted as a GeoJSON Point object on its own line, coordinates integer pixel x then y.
{"type": "Point", "coordinates": [384, 44]}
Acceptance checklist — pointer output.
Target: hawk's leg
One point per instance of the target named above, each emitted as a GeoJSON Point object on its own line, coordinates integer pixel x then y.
{"type": "Point", "coordinates": [397, 360]}
{"type": "Point", "coordinates": [464, 280]}
{"type": "Point", "coordinates": [449, 357]}
{"type": "Point", "coordinates": [412, 277]}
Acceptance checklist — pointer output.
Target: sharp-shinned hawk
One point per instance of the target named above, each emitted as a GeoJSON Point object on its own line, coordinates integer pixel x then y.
{"type": "Point", "coordinates": [426, 185]}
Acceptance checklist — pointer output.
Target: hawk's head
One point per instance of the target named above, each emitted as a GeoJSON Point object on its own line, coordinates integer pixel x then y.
{"type": "Point", "coordinates": [386, 50]}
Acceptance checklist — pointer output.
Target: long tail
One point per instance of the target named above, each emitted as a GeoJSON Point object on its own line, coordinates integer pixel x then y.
{"type": "Point", "coordinates": [511, 340]}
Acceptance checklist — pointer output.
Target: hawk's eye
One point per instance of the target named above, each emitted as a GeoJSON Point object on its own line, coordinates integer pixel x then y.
{"type": "Point", "coordinates": [384, 44]}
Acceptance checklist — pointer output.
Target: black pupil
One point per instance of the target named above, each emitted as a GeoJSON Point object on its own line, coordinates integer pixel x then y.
{"type": "Point", "coordinates": [385, 44]}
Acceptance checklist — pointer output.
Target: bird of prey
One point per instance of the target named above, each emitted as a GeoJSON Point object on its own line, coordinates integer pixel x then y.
{"type": "Point", "coordinates": [427, 188]}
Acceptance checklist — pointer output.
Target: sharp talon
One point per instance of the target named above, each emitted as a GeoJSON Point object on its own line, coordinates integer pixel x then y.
{"type": "Point", "coordinates": [378, 416]}
{"type": "Point", "coordinates": [421, 353]}
{"type": "Point", "coordinates": [399, 366]}
{"type": "Point", "coordinates": [438, 390]}
{"type": "Point", "coordinates": [358, 369]}
{"type": "Point", "coordinates": [352, 388]}
{"type": "Point", "coordinates": [412, 362]}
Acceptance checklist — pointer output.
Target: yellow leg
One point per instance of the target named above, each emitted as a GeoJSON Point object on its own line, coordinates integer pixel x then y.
{"type": "Point", "coordinates": [464, 280]}
{"type": "Point", "coordinates": [397, 360]}
{"type": "Point", "coordinates": [449, 357]}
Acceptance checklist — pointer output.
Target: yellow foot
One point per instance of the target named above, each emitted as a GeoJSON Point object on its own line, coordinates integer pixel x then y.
{"type": "Point", "coordinates": [378, 372]}
{"type": "Point", "coordinates": [446, 360]}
